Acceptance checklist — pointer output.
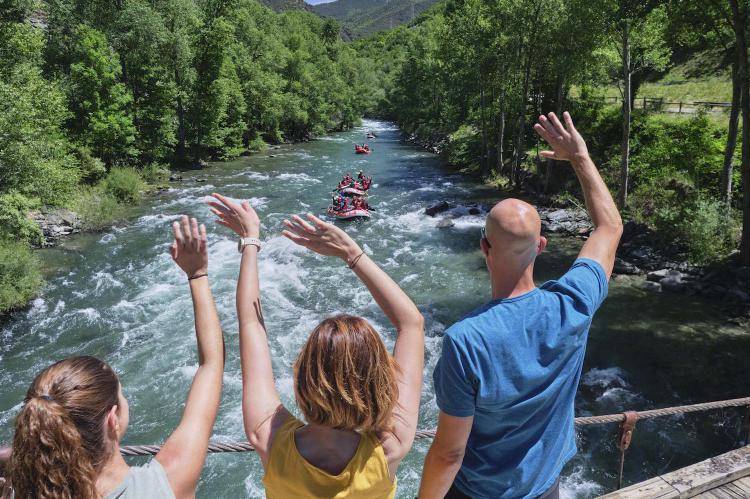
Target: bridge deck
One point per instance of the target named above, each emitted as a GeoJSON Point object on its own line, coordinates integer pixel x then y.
{"type": "Point", "coordinates": [726, 476]}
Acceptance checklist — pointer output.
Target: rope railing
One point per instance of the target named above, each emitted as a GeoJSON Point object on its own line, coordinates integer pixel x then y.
{"type": "Point", "coordinates": [224, 447]}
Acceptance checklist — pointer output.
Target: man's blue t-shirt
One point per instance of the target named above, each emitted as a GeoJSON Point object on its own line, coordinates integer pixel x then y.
{"type": "Point", "coordinates": [514, 364]}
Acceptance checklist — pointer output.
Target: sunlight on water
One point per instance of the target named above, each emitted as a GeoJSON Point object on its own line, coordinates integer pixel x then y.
{"type": "Point", "coordinates": [123, 300]}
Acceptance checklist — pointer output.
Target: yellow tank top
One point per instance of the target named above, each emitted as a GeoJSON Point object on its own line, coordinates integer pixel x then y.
{"type": "Point", "coordinates": [290, 476]}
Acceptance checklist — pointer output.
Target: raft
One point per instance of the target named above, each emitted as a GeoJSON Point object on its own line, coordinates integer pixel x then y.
{"type": "Point", "coordinates": [361, 150]}
{"type": "Point", "coordinates": [353, 190]}
{"type": "Point", "coordinates": [350, 214]}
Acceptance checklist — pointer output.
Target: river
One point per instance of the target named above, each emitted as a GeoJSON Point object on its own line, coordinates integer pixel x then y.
{"type": "Point", "coordinates": [118, 296]}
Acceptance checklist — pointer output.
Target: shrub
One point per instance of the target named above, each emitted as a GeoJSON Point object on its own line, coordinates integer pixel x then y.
{"type": "Point", "coordinates": [703, 226]}
{"type": "Point", "coordinates": [96, 207]}
{"type": "Point", "coordinates": [14, 222]}
{"type": "Point", "coordinates": [257, 145]}
{"type": "Point", "coordinates": [463, 149]}
{"type": "Point", "coordinates": [155, 173]}
{"type": "Point", "coordinates": [124, 184]}
{"type": "Point", "coordinates": [690, 147]}
{"type": "Point", "coordinates": [92, 168]}
{"type": "Point", "coordinates": [20, 275]}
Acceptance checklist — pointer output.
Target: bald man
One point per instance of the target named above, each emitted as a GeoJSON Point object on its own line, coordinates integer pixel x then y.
{"type": "Point", "coordinates": [507, 376]}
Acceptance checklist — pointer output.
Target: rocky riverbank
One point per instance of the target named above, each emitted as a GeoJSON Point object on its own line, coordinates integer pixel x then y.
{"type": "Point", "coordinates": [56, 224]}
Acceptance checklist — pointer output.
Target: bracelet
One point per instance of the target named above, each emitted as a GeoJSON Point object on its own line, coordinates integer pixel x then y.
{"type": "Point", "coordinates": [197, 277]}
{"type": "Point", "coordinates": [355, 261]}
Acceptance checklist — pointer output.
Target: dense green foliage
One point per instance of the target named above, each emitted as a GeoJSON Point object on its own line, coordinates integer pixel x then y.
{"type": "Point", "coordinates": [98, 97]}
{"type": "Point", "coordinates": [20, 277]}
{"type": "Point", "coordinates": [472, 75]}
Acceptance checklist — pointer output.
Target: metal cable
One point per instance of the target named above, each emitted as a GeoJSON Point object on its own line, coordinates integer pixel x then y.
{"type": "Point", "coordinates": [222, 447]}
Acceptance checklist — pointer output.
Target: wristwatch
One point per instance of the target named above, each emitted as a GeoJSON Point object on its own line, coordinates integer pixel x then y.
{"type": "Point", "coordinates": [249, 241]}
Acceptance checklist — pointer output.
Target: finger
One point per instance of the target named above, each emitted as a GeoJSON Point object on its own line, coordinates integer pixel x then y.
{"type": "Point", "coordinates": [173, 250]}
{"type": "Point", "coordinates": [548, 127]}
{"type": "Point", "coordinates": [219, 207]}
{"type": "Point", "coordinates": [219, 213]}
{"type": "Point", "coordinates": [542, 132]}
{"type": "Point", "coordinates": [227, 202]}
{"type": "Point", "coordinates": [548, 154]}
{"type": "Point", "coordinates": [305, 226]}
{"type": "Point", "coordinates": [569, 122]}
{"type": "Point", "coordinates": [246, 206]}
{"type": "Point", "coordinates": [297, 229]}
{"type": "Point", "coordinates": [203, 238]}
{"type": "Point", "coordinates": [177, 233]}
{"type": "Point", "coordinates": [295, 238]}
{"type": "Point", "coordinates": [224, 223]}
{"type": "Point", "coordinates": [318, 222]}
{"type": "Point", "coordinates": [559, 128]}
{"type": "Point", "coordinates": [186, 233]}
{"type": "Point", "coordinates": [195, 234]}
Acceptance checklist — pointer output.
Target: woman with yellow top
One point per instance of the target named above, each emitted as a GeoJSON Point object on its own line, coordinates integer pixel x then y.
{"type": "Point", "coordinates": [361, 404]}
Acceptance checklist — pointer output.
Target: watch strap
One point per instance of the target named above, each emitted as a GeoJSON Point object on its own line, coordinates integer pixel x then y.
{"type": "Point", "coordinates": [250, 241]}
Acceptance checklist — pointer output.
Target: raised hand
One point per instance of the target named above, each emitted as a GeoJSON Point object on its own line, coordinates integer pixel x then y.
{"type": "Point", "coordinates": [240, 217]}
{"type": "Point", "coordinates": [321, 237]}
{"type": "Point", "coordinates": [567, 144]}
{"type": "Point", "coordinates": [190, 247]}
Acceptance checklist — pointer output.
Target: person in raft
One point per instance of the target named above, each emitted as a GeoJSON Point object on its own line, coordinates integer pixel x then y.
{"type": "Point", "coordinates": [74, 416]}
{"type": "Point", "coordinates": [506, 379]}
{"type": "Point", "coordinates": [360, 403]}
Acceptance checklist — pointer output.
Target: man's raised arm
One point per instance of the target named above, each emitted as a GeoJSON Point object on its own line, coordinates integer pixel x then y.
{"type": "Point", "coordinates": [568, 145]}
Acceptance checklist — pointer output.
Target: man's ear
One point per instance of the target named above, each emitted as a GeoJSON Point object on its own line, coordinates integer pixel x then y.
{"type": "Point", "coordinates": [485, 247]}
{"type": "Point", "coordinates": [542, 245]}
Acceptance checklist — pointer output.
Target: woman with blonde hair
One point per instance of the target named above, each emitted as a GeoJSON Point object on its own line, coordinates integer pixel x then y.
{"type": "Point", "coordinates": [68, 433]}
{"type": "Point", "coordinates": [361, 404]}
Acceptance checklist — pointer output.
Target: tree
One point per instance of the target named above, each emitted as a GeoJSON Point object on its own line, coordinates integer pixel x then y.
{"type": "Point", "coordinates": [739, 10]}
{"type": "Point", "coordinates": [216, 127]}
{"type": "Point", "coordinates": [639, 41]}
{"type": "Point", "coordinates": [35, 154]}
{"type": "Point", "coordinates": [98, 101]}
{"type": "Point", "coordinates": [143, 43]}
{"type": "Point", "coordinates": [182, 19]}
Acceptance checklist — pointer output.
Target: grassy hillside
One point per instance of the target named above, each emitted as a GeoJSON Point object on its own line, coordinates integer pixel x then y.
{"type": "Point", "coordinates": [363, 17]}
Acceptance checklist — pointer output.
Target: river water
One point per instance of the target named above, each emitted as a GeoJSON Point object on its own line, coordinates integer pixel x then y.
{"type": "Point", "coordinates": [118, 296]}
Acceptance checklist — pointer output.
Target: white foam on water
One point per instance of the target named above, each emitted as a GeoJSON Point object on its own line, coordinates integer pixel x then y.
{"type": "Point", "coordinates": [298, 177]}
{"type": "Point", "coordinates": [575, 486]}
{"type": "Point", "coordinates": [604, 378]}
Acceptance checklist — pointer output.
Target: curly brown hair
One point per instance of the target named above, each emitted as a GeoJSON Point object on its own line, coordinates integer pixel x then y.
{"type": "Point", "coordinates": [344, 378]}
{"type": "Point", "coordinates": [59, 443]}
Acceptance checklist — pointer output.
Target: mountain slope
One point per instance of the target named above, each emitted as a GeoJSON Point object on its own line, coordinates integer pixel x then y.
{"type": "Point", "coordinates": [282, 5]}
{"type": "Point", "coordinates": [367, 16]}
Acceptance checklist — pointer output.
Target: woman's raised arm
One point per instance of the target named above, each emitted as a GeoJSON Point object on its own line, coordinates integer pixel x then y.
{"type": "Point", "coordinates": [329, 240]}
{"type": "Point", "coordinates": [184, 452]}
{"type": "Point", "coordinates": [261, 407]}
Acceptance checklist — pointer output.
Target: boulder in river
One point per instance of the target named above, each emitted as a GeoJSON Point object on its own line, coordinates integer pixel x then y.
{"type": "Point", "coordinates": [445, 223]}
{"type": "Point", "coordinates": [625, 268]}
{"type": "Point", "coordinates": [651, 286]}
{"type": "Point", "coordinates": [657, 275]}
{"type": "Point", "coordinates": [438, 208]}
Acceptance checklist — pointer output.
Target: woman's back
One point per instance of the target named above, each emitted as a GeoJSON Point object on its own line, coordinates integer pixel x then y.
{"type": "Point", "coordinates": [289, 474]}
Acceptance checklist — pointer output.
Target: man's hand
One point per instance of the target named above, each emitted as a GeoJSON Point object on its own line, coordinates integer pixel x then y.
{"type": "Point", "coordinates": [567, 144]}
{"type": "Point", "coordinates": [320, 237]}
{"type": "Point", "coordinates": [190, 249]}
{"type": "Point", "coordinates": [240, 217]}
